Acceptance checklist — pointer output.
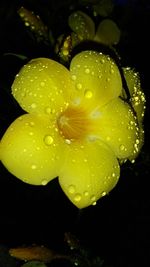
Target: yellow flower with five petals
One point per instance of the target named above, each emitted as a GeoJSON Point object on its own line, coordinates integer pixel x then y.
{"type": "Point", "coordinates": [78, 127]}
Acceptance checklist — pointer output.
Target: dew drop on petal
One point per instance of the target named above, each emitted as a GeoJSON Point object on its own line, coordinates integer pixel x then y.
{"type": "Point", "coordinates": [86, 193]}
{"type": "Point", "coordinates": [32, 123]}
{"type": "Point", "coordinates": [79, 86]}
{"type": "Point", "coordinates": [112, 71]}
{"type": "Point", "coordinates": [102, 60]}
{"type": "Point", "coordinates": [108, 138]}
{"type": "Point", "coordinates": [71, 189]}
{"type": "Point", "coordinates": [87, 71]}
{"type": "Point", "coordinates": [77, 197]}
{"type": "Point", "coordinates": [33, 105]}
{"type": "Point", "coordinates": [33, 167]}
{"type": "Point", "coordinates": [93, 198]}
{"type": "Point", "coordinates": [44, 182]}
{"type": "Point", "coordinates": [48, 140]}
{"type": "Point", "coordinates": [48, 110]}
{"type": "Point", "coordinates": [104, 193]}
{"type": "Point", "coordinates": [73, 77]}
{"type": "Point", "coordinates": [88, 94]}
{"type": "Point", "coordinates": [68, 141]}
{"type": "Point", "coordinates": [122, 147]}
{"type": "Point", "coordinates": [42, 84]}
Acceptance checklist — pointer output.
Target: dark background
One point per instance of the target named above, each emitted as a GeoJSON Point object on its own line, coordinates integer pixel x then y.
{"type": "Point", "coordinates": [118, 227]}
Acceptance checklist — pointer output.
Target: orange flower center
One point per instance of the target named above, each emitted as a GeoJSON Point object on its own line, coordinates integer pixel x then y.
{"type": "Point", "coordinates": [74, 123]}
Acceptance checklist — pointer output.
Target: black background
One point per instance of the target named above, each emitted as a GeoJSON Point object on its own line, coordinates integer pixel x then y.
{"type": "Point", "coordinates": [118, 227]}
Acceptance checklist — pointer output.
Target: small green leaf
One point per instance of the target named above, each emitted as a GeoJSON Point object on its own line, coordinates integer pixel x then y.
{"type": "Point", "coordinates": [34, 264]}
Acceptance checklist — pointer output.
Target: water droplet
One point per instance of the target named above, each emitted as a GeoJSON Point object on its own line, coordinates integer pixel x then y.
{"type": "Point", "coordinates": [48, 110]}
{"type": "Point", "coordinates": [33, 105]}
{"type": "Point", "coordinates": [20, 118]}
{"type": "Point", "coordinates": [79, 86]}
{"type": "Point", "coordinates": [122, 147]}
{"type": "Point", "coordinates": [87, 71]}
{"type": "Point", "coordinates": [112, 70]}
{"type": "Point", "coordinates": [108, 79]}
{"type": "Point", "coordinates": [73, 77]}
{"type": "Point", "coordinates": [88, 94]}
{"type": "Point", "coordinates": [77, 197]}
{"type": "Point", "coordinates": [27, 24]}
{"type": "Point", "coordinates": [102, 61]}
{"type": "Point", "coordinates": [68, 141]}
{"type": "Point", "coordinates": [33, 167]}
{"type": "Point", "coordinates": [93, 198]}
{"type": "Point", "coordinates": [42, 84]}
{"type": "Point", "coordinates": [31, 123]}
{"type": "Point", "coordinates": [44, 182]}
{"type": "Point", "coordinates": [48, 140]}
{"type": "Point", "coordinates": [137, 141]}
{"type": "Point", "coordinates": [71, 189]}
{"type": "Point", "coordinates": [86, 193]}
{"type": "Point", "coordinates": [11, 129]}
{"type": "Point", "coordinates": [104, 193]}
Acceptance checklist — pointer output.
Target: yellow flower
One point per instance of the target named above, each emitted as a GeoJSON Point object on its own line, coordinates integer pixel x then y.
{"type": "Point", "coordinates": [77, 126]}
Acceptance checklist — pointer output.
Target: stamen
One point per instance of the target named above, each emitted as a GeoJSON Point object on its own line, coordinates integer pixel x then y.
{"type": "Point", "coordinates": [74, 123]}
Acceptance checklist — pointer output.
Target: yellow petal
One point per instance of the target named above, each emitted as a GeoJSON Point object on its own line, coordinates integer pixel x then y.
{"type": "Point", "coordinates": [96, 77]}
{"type": "Point", "coordinates": [42, 86]}
{"type": "Point", "coordinates": [82, 24]}
{"type": "Point", "coordinates": [137, 95]}
{"type": "Point", "coordinates": [119, 129]}
{"type": "Point", "coordinates": [89, 173]}
{"type": "Point", "coordinates": [30, 149]}
{"type": "Point", "coordinates": [107, 33]}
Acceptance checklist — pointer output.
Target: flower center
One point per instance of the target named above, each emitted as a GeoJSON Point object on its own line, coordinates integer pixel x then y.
{"type": "Point", "coordinates": [74, 123]}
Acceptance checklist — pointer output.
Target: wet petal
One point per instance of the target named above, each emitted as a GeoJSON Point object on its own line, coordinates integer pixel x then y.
{"type": "Point", "coordinates": [108, 32]}
{"type": "Point", "coordinates": [82, 24]}
{"type": "Point", "coordinates": [118, 127]}
{"type": "Point", "coordinates": [88, 173]}
{"type": "Point", "coordinates": [137, 95]}
{"type": "Point", "coordinates": [30, 149]}
{"type": "Point", "coordinates": [96, 77]}
{"type": "Point", "coordinates": [42, 86]}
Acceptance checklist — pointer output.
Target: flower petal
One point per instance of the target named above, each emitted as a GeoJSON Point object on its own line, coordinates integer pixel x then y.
{"type": "Point", "coordinates": [137, 95]}
{"type": "Point", "coordinates": [119, 129]}
{"type": "Point", "coordinates": [82, 24]}
{"type": "Point", "coordinates": [42, 86]}
{"type": "Point", "coordinates": [88, 173]}
{"type": "Point", "coordinates": [96, 77]}
{"type": "Point", "coordinates": [107, 33]}
{"type": "Point", "coordinates": [30, 149]}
